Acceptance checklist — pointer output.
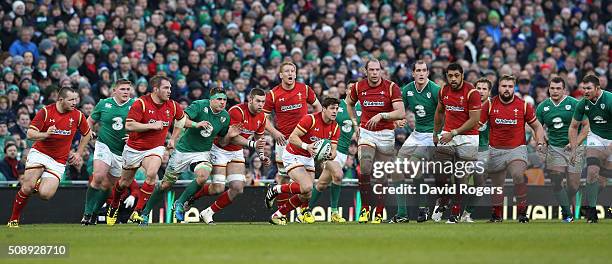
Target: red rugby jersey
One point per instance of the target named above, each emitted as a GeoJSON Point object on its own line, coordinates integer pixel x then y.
{"type": "Point", "coordinates": [315, 129]}
{"type": "Point", "coordinates": [507, 121]}
{"type": "Point", "coordinates": [144, 110]}
{"type": "Point", "coordinates": [289, 106]}
{"type": "Point", "coordinates": [57, 145]}
{"type": "Point", "coordinates": [376, 100]}
{"type": "Point", "coordinates": [457, 106]}
{"type": "Point", "coordinates": [251, 124]}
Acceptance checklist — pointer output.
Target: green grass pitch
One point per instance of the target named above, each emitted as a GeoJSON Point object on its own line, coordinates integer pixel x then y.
{"type": "Point", "coordinates": [508, 242]}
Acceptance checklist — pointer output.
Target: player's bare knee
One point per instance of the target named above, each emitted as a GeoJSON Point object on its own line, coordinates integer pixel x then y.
{"type": "Point", "coordinates": [321, 187]}
{"type": "Point", "coordinates": [46, 195]}
{"type": "Point", "coordinates": [217, 188]}
{"type": "Point", "coordinates": [592, 173]}
{"type": "Point", "coordinates": [306, 188]}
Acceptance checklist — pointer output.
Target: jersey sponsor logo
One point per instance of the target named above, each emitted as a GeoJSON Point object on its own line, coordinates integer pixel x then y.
{"type": "Point", "coordinates": [247, 131]}
{"type": "Point", "coordinates": [347, 126]}
{"type": "Point", "coordinates": [410, 93]}
{"type": "Point", "coordinates": [502, 121]}
{"type": "Point", "coordinates": [599, 120]}
{"type": "Point", "coordinates": [557, 122]}
{"type": "Point", "coordinates": [314, 138]}
{"type": "Point", "coordinates": [373, 103]}
{"type": "Point", "coordinates": [117, 123]}
{"type": "Point", "coordinates": [568, 107]}
{"type": "Point", "coordinates": [164, 123]}
{"type": "Point", "coordinates": [206, 132]}
{"type": "Point", "coordinates": [286, 108]}
{"type": "Point", "coordinates": [455, 108]}
{"type": "Point", "coordinates": [62, 132]}
{"type": "Point", "coordinates": [420, 110]}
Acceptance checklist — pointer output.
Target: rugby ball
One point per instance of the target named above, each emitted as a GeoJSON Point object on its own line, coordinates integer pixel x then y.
{"type": "Point", "coordinates": [322, 148]}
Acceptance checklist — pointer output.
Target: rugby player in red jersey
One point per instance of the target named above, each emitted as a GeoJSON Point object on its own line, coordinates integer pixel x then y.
{"type": "Point", "coordinates": [228, 161]}
{"type": "Point", "coordinates": [289, 102]}
{"type": "Point", "coordinates": [53, 129]}
{"type": "Point", "coordinates": [507, 116]}
{"type": "Point", "coordinates": [381, 104]}
{"type": "Point", "coordinates": [147, 125]}
{"type": "Point", "coordinates": [299, 161]}
{"type": "Point", "coordinates": [459, 110]}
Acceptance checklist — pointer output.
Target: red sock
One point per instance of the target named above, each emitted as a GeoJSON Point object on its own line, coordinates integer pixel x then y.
{"type": "Point", "coordinates": [456, 209]}
{"type": "Point", "coordinates": [221, 202]}
{"type": "Point", "coordinates": [116, 195]}
{"type": "Point", "coordinates": [281, 199]}
{"type": "Point", "coordinates": [497, 210]}
{"type": "Point", "coordinates": [20, 202]}
{"type": "Point", "coordinates": [380, 204]}
{"type": "Point", "coordinates": [520, 193]}
{"type": "Point", "coordinates": [202, 192]}
{"type": "Point", "coordinates": [145, 192]}
{"type": "Point", "coordinates": [291, 188]}
{"type": "Point", "coordinates": [364, 190]}
{"type": "Point", "coordinates": [291, 204]}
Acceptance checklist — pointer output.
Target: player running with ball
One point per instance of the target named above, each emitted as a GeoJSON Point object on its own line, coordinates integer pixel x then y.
{"type": "Point", "coordinates": [381, 105]}
{"type": "Point", "coordinates": [299, 161]}
{"type": "Point", "coordinates": [110, 114]}
{"type": "Point", "coordinates": [597, 106]}
{"type": "Point", "coordinates": [53, 129]}
{"type": "Point", "coordinates": [507, 116]}
{"type": "Point", "coordinates": [556, 114]}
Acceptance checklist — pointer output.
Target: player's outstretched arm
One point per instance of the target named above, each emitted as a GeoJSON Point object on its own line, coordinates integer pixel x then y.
{"type": "Point", "coordinates": [317, 106]}
{"type": "Point", "coordinates": [350, 109]}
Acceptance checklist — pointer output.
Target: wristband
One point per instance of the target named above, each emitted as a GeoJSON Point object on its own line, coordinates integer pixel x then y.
{"type": "Point", "coordinates": [193, 124]}
{"type": "Point", "coordinates": [385, 115]}
{"type": "Point", "coordinates": [454, 132]}
{"type": "Point", "coordinates": [251, 144]}
{"type": "Point", "coordinates": [304, 146]}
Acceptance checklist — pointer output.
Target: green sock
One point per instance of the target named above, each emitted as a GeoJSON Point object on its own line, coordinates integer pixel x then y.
{"type": "Point", "coordinates": [592, 190]}
{"type": "Point", "coordinates": [191, 189]}
{"type": "Point", "coordinates": [401, 202]}
{"type": "Point", "coordinates": [89, 199]}
{"type": "Point", "coordinates": [100, 199]}
{"type": "Point", "coordinates": [314, 197]}
{"type": "Point", "coordinates": [335, 196]}
{"type": "Point", "coordinates": [561, 196]}
{"type": "Point", "coordinates": [469, 203]}
{"type": "Point", "coordinates": [421, 199]}
{"type": "Point", "coordinates": [156, 197]}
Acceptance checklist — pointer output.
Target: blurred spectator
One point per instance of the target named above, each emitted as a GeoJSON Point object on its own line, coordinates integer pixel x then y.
{"type": "Point", "coordinates": [10, 168]}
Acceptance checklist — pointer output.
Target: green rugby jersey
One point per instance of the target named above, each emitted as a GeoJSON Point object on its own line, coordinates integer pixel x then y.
{"type": "Point", "coordinates": [346, 126]}
{"type": "Point", "coordinates": [557, 119]}
{"type": "Point", "coordinates": [599, 114]}
{"type": "Point", "coordinates": [111, 117]}
{"type": "Point", "coordinates": [201, 140]}
{"type": "Point", "coordinates": [423, 104]}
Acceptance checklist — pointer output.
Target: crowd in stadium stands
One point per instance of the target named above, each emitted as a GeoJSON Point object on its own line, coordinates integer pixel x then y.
{"type": "Point", "coordinates": [239, 44]}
